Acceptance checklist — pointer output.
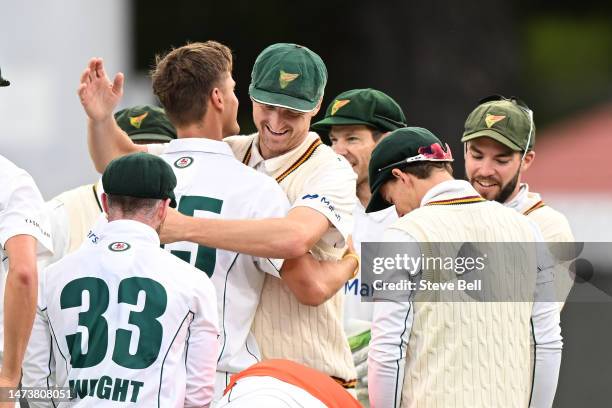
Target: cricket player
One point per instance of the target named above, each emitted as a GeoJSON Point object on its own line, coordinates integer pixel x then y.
{"type": "Point", "coordinates": [499, 142]}
{"type": "Point", "coordinates": [214, 185]}
{"type": "Point", "coordinates": [287, 84]}
{"type": "Point", "coordinates": [122, 321]}
{"type": "Point", "coordinates": [24, 232]}
{"type": "Point", "coordinates": [284, 383]}
{"type": "Point", "coordinates": [456, 354]}
{"type": "Point", "coordinates": [355, 122]}
{"type": "Point", "coordinates": [73, 213]}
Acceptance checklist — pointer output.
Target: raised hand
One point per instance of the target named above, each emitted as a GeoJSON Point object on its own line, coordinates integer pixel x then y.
{"type": "Point", "coordinates": [99, 96]}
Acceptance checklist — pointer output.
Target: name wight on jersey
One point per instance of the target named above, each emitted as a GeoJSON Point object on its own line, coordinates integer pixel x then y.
{"type": "Point", "coordinates": [107, 388]}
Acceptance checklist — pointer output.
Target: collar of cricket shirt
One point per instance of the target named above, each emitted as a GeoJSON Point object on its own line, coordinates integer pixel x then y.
{"type": "Point", "coordinates": [449, 190]}
{"type": "Point", "coordinates": [129, 231]}
{"type": "Point", "coordinates": [199, 144]}
{"type": "Point", "coordinates": [524, 199]}
{"type": "Point", "coordinates": [280, 163]}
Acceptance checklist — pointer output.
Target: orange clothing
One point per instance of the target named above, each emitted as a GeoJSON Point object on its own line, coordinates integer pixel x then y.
{"type": "Point", "coordinates": [317, 384]}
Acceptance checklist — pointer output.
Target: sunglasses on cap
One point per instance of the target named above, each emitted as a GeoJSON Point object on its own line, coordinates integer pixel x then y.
{"type": "Point", "coordinates": [432, 153]}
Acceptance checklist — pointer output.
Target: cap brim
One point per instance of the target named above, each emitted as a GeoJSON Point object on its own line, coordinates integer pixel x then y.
{"type": "Point", "coordinates": [328, 122]}
{"type": "Point", "coordinates": [282, 101]}
{"type": "Point", "coordinates": [4, 82]}
{"type": "Point", "coordinates": [150, 136]}
{"type": "Point", "coordinates": [377, 203]}
{"type": "Point", "coordinates": [498, 137]}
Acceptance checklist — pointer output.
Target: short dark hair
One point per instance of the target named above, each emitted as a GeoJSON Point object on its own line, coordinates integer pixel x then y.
{"type": "Point", "coordinates": [130, 206]}
{"type": "Point", "coordinates": [184, 78]}
{"type": "Point", "coordinates": [423, 170]}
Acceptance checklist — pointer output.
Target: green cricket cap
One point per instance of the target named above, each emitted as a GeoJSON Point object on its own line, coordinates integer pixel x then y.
{"type": "Point", "coordinates": [507, 120]}
{"type": "Point", "coordinates": [289, 76]}
{"type": "Point", "coordinates": [146, 122]}
{"type": "Point", "coordinates": [400, 147]}
{"type": "Point", "coordinates": [3, 82]}
{"type": "Point", "coordinates": [140, 175]}
{"type": "Point", "coordinates": [368, 107]}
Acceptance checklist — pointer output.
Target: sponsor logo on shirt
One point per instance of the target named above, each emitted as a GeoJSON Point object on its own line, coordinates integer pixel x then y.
{"type": "Point", "coordinates": [325, 202]}
{"type": "Point", "coordinates": [356, 288]}
{"type": "Point", "coordinates": [37, 225]}
{"type": "Point", "coordinates": [183, 162]}
{"type": "Point", "coordinates": [119, 246]}
{"type": "Point", "coordinates": [93, 237]}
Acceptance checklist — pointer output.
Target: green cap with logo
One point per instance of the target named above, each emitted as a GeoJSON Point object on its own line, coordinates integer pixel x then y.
{"type": "Point", "coordinates": [289, 76]}
{"type": "Point", "coordinates": [507, 120]}
{"type": "Point", "coordinates": [367, 107]}
{"type": "Point", "coordinates": [146, 122]}
{"type": "Point", "coordinates": [140, 175]}
{"type": "Point", "coordinates": [399, 148]}
{"type": "Point", "coordinates": [3, 82]}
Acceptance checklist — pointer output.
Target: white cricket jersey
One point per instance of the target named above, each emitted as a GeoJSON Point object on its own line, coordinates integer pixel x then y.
{"type": "Point", "coordinates": [123, 321]}
{"type": "Point", "coordinates": [21, 213]}
{"type": "Point", "coordinates": [369, 227]}
{"type": "Point", "coordinates": [213, 184]}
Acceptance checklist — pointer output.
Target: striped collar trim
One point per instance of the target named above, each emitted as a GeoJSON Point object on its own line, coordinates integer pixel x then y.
{"type": "Point", "coordinates": [301, 160]}
{"type": "Point", "coordinates": [457, 201]}
{"type": "Point", "coordinates": [534, 207]}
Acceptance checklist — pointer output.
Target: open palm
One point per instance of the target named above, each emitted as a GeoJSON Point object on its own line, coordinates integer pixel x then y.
{"type": "Point", "coordinates": [99, 96]}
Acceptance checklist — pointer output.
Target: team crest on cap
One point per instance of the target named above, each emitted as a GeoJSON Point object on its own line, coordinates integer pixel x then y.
{"type": "Point", "coordinates": [119, 246]}
{"type": "Point", "coordinates": [285, 78]}
{"type": "Point", "coordinates": [183, 162]}
{"type": "Point", "coordinates": [339, 103]}
{"type": "Point", "coordinates": [136, 121]}
{"type": "Point", "coordinates": [490, 120]}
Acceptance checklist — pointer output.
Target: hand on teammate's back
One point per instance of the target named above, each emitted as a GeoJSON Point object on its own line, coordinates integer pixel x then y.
{"type": "Point", "coordinates": [99, 96]}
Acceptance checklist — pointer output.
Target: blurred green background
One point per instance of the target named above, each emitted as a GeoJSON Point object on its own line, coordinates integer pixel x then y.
{"type": "Point", "coordinates": [436, 58]}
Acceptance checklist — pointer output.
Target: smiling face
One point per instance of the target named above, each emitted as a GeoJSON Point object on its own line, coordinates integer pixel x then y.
{"type": "Point", "coordinates": [355, 143]}
{"type": "Point", "coordinates": [280, 129]}
{"type": "Point", "coordinates": [493, 169]}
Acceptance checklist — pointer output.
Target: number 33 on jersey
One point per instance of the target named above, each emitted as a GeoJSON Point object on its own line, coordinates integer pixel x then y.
{"type": "Point", "coordinates": [125, 321]}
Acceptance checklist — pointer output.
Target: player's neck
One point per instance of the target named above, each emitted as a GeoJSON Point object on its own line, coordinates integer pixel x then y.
{"type": "Point", "coordinates": [363, 193]}
{"type": "Point", "coordinates": [203, 130]}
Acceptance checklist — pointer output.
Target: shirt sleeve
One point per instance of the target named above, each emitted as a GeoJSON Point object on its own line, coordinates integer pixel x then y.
{"type": "Point", "coordinates": [332, 192]}
{"type": "Point", "coordinates": [22, 210]}
{"type": "Point", "coordinates": [546, 330]}
{"type": "Point", "coordinates": [38, 368]}
{"type": "Point", "coordinates": [391, 328]}
{"type": "Point", "coordinates": [202, 347]}
{"type": "Point", "coordinates": [60, 230]}
{"type": "Point", "coordinates": [272, 203]}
